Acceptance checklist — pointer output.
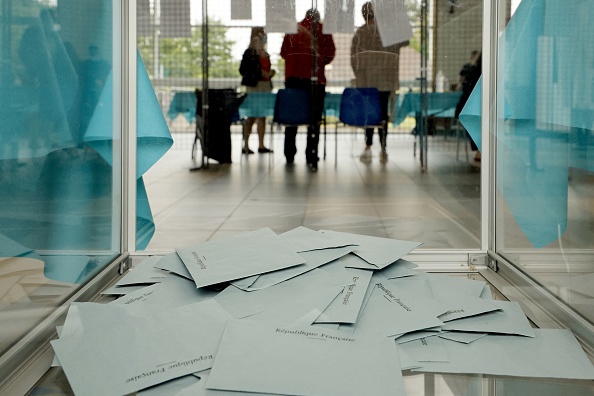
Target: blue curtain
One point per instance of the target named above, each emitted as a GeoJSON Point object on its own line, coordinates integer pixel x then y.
{"type": "Point", "coordinates": [546, 126]}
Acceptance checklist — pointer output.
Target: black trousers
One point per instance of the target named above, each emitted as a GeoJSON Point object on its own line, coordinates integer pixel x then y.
{"type": "Point", "coordinates": [317, 94]}
{"type": "Point", "coordinates": [382, 132]}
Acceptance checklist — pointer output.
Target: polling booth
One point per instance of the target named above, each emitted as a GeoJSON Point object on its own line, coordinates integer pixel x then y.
{"type": "Point", "coordinates": [280, 290]}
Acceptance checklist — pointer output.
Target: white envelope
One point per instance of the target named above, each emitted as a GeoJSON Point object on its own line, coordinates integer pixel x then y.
{"type": "Point", "coordinates": [465, 306]}
{"type": "Point", "coordinates": [380, 252]}
{"type": "Point", "coordinates": [172, 263]}
{"type": "Point", "coordinates": [407, 362]}
{"type": "Point", "coordinates": [337, 270]}
{"type": "Point", "coordinates": [430, 349]}
{"type": "Point", "coordinates": [174, 291]}
{"type": "Point", "coordinates": [510, 319]}
{"type": "Point", "coordinates": [354, 261]}
{"type": "Point", "coordinates": [122, 290]}
{"type": "Point", "coordinates": [413, 285]}
{"type": "Point", "coordinates": [313, 259]}
{"type": "Point", "coordinates": [399, 269]}
{"type": "Point", "coordinates": [238, 256]}
{"type": "Point", "coordinates": [390, 313]}
{"type": "Point", "coordinates": [304, 361]}
{"type": "Point", "coordinates": [285, 302]}
{"type": "Point", "coordinates": [303, 239]}
{"type": "Point", "coordinates": [121, 350]}
{"type": "Point", "coordinates": [136, 297]}
{"type": "Point", "coordinates": [460, 336]}
{"type": "Point", "coordinates": [417, 335]}
{"type": "Point", "coordinates": [346, 306]}
{"type": "Point", "coordinates": [190, 385]}
{"type": "Point", "coordinates": [552, 353]}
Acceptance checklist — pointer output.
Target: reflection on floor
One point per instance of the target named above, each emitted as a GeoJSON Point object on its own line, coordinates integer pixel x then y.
{"type": "Point", "coordinates": [440, 207]}
{"type": "Point", "coordinates": [29, 291]}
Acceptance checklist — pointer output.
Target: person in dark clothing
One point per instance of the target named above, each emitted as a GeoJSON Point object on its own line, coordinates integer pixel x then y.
{"type": "Point", "coordinates": [257, 73]}
{"type": "Point", "coordinates": [469, 76]}
{"type": "Point", "coordinates": [306, 53]}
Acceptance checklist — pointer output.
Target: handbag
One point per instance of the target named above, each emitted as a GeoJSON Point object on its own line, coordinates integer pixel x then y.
{"type": "Point", "coordinates": [250, 68]}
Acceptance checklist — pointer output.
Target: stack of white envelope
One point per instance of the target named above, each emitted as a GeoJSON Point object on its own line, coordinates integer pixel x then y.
{"type": "Point", "coordinates": [301, 313]}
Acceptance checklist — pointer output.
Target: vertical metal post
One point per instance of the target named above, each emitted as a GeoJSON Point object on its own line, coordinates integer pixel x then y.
{"type": "Point", "coordinates": [422, 128]}
{"type": "Point", "coordinates": [489, 123]}
{"type": "Point", "coordinates": [205, 86]}
{"type": "Point", "coordinates": [156, 37]}
{"type": "Point", "coordinates": [126, 106]}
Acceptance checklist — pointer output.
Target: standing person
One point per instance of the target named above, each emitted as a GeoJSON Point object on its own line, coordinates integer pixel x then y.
{"type": "Point", "coordinates": [469, 76]}
{"type": "Point", "coordinates": [306, 53]}
{"type": "Point", "coordinates": [375, 66]}
{"type": "Point", "coordinates": [257, 73]}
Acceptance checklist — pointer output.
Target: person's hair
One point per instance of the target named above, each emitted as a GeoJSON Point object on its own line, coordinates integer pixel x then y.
{"type": "Point", "coordinates": [312, 14]}
{"type": "Point", "coordinates": [367, 11]}
{"type": "Point", "coordinates": [257, 31]}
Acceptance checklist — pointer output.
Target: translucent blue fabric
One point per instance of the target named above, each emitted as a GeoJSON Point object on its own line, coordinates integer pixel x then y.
{"type": "Point", "coordinates": [546, 63]}
{"type": "Point", "coordinates": [56, 137]}
{"type": "Point", "coordinates": [153, 136]}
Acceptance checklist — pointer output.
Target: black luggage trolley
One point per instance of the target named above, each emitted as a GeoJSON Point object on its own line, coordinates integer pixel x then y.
{"type": "Point", "coordinates": [213, 124]}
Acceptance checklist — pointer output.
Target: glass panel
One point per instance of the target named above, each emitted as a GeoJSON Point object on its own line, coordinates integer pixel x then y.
{"type": "Point", "coordinates": [544, 147]}
{"type": "Point", "coordinates": [59, 218]}
{"type": "Point", "coordinates": [435, 201]}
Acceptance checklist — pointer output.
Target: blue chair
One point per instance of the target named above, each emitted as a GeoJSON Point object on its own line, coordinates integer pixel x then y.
{"type": "Point", "coordinates": [293, 107]}
{"type": "Point", "coordinates": [361, 107]}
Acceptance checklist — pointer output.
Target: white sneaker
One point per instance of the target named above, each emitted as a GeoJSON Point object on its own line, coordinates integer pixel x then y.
{"type": "Point", "coordinates": [383, 156]}
{"type": "Point", "coordinates": [366, 155]}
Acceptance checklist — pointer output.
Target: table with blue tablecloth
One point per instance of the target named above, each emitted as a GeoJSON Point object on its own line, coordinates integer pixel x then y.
{"type": "Point", "coordinates": [183, 103]}
{"type": "Point", "coordinates": [439, 105]}
{"type": "Point", "coordinates": [256, 104]}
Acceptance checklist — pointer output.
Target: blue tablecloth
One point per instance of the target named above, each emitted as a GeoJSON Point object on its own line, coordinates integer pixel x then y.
{"type": "Point", "coordinates": [258, 104]}
{"type": "Point", "coordinates": [261, 104]}
{"type": "Point", "coordinates": [547, 129]}
{"type": "Point", "coordinates": [332, 104]}
{"type": "Point", "coordinates": [439, 104]}
{"type": "Point", "coordinates": [183, 103]}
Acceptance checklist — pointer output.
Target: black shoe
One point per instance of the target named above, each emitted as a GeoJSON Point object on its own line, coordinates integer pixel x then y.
{"type": "Point", "coordinates": [290, 160]}
{"type": "Point", "coordinates": [265, 150]}
{"type": "Point", "coordinates": [248, 151]}
{"type": "Point", "coordinates": [313, 166]}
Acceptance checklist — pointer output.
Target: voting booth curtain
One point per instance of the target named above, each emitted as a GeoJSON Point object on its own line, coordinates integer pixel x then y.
{"type": "Point", "coordinates": [60, 139]}
{"type": "Point", "coordinates": [546, 117]}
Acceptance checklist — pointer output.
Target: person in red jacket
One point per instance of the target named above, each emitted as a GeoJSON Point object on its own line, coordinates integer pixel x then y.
{"type": "Point", "coordinates": [306, 53]}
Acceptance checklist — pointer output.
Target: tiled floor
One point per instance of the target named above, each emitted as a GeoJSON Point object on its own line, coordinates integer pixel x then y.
{"type": "Point", "coordinates": [439, 207]}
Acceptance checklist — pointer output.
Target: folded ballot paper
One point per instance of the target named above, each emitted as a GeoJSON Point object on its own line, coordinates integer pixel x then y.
{"type": "Point", "coordinates": [301, 313]}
